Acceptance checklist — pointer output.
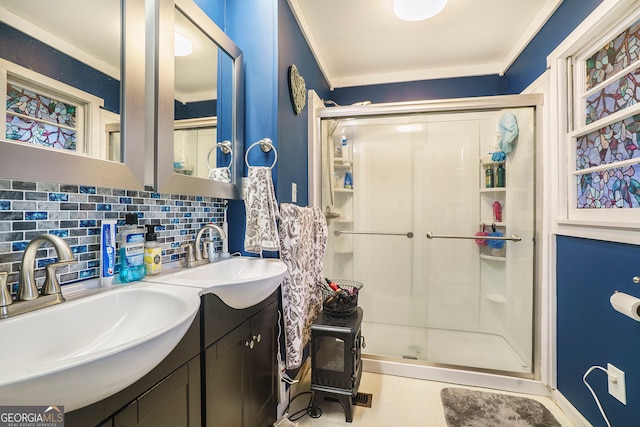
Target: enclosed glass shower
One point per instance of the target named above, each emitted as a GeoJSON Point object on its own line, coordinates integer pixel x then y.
{"type": "Point", "coordinates": [404, 196]}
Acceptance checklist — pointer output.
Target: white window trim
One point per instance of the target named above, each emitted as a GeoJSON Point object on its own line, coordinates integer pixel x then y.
{"type": "Point", "coordinates": [90, 135]}
{"type": "Point", "coordinates": [602, 25]}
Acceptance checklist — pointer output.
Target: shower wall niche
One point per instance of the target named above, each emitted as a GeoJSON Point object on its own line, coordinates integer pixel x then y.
{"type": "Point", "coordinates": [444, 300]}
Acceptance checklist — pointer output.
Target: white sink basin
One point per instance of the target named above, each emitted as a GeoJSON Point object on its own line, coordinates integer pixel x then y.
{"type": "Point", "coordinates": [83, 350]}
{"type": "Point", "coordinates": [240, 282]}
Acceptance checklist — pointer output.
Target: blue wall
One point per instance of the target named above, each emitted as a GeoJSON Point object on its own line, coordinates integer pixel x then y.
{"type": "Point", "coordinates": [532, 62]}
{"type": "Point", "coordinates": [293, 129]}
{"type": "Point", "coordinates": [591, 332]}
{"type": "Point", "coordinates": [27, 52]}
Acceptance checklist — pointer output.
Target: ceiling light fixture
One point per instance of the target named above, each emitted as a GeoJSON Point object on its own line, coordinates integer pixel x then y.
{"type": "Point", "coordinates": [183, 45]}
{"type": "Point", "coordinates": [417, 10]}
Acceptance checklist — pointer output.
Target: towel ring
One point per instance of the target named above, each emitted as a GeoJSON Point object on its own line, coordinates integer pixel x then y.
{"type": "Point", "coordinates": [266, 145]}
{"type": "Point", "coordinates": [225, 147]}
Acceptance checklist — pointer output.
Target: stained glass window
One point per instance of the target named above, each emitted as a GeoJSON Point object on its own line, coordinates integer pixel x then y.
{"type": "Point", "coordinates": [606, 138]}
{"type": "Point", "coordinates": [613, 57]}
{"type": "Point", "coordinates": [40, 119]}
{"type": "Point", "coordinates": [610, 188]}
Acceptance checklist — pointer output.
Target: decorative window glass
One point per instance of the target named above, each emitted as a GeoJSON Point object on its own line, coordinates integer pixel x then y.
{"type": "Point", "coordinates": [37, 118]}
{"type": "Point", "coordinates": [42, 111]}
{"type": "Point", "coordinates": [605, 140]}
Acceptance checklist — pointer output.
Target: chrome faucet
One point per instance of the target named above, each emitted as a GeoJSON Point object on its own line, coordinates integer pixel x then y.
{"type": "Point", "coordinates": [28, 298]}
{"type": "Point", "coordinates": [200, 256]}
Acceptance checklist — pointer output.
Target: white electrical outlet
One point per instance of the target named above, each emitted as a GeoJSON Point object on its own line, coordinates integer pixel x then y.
{"type": "Point", "coordinates": [294, 192]}
{"type": "Point", "coordinates": [617, 387]}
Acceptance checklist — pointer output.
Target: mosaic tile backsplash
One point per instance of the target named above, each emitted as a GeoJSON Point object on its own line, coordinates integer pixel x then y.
{"type": "Point", "coordinates": [75, 212]}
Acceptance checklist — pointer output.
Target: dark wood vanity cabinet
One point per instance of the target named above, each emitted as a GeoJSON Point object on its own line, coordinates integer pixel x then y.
{"type": "Point", "coordinates": [222, 373]}
{"type": "Point", "coordinates": [169, 393]}
{"type": "Point", "coordinates": [240, 366]}
{"type": "Point", "coordinates": [175, 401]}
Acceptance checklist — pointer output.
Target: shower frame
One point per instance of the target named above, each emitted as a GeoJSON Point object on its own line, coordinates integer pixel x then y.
{"type": "Point", "coordinates": [426, 370]}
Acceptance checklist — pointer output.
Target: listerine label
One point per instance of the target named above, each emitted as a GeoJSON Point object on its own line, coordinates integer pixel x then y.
{"type": "Point", "coordinates": [134, 255]}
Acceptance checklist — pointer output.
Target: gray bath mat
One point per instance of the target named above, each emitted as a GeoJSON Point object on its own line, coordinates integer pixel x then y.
{"type": "Point", "coordinates": [471, 408]}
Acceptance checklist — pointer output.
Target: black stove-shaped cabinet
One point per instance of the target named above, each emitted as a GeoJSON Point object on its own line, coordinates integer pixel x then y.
{"type": "Point", "coordinates": [336, 364]}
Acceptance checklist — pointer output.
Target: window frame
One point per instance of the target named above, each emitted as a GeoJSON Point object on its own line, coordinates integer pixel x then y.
{"type": "Point", "coordinates": [88, 141]}
{"type": "Point", "coordinates": [566, 113]}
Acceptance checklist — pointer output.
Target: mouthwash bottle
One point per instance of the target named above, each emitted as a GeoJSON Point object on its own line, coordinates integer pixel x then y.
{"type": "Point", "coordinates": [131, 251]}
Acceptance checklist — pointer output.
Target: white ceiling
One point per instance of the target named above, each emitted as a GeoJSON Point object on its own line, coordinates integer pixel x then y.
{"type": "Point", "coordinates": [362, 42]}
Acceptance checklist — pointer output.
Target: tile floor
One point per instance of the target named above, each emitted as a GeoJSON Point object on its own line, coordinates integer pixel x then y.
{"type": "Point", "coordinates": [397, 401]}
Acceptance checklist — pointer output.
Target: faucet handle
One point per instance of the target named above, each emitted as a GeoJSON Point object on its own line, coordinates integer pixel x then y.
{"type": "Point", "coordinates": [51, 285]}
{"type": "Point", "coordinates": [189, 258]}
{"type": "Point", "coordinates": [5, 295]}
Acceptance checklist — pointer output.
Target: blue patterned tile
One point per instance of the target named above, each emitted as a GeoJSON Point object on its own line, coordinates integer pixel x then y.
{"type": "Point", "coordinates": [184, 232]}
{"type": "Point", "coordinates": [5, 205]}
{"type": "Point", "coordinates": [86, 274]}
{"type": "Point", "coordinates": [58, 197]}
{"type": "Point", "coordinates": [175, 220]}
{"type": "Point", "coordinates": [87, 189]}
{"type": "Point", "coordinates": [79, 249]}
{"type": "Point", "coordinates": [155, 195]}
{"type": "Point", "coordinates": [60, 233]}
{"type": "Point", "coordinates": [36, 216]}
{"type": "Point", "coordinates": [199, 198]}
{"type": "Point", "coordinates": [165, 209]}
{"type": "Point", "coordinates": [126, 200]}
{"type": "Point", "coordinates": [103, 207]}
{"type": "Point", "coordinates": [43, 262]}
{"type": "Point", "coordinates": [19, 246]}
{"type": "Point", "coordinates": [175, 245]}
{"type": "Point", "coordinates": [187, 214]}
{"type": "Point", "coordinates": [179, 203]}
{"type": "Point", "coordinates": [88, 223]}
{"type": "Point", "coordinates": [175, 257]}
{"type": "Point", "coordinates": [93, 263]}
{"type": "Point", "coordinates": [207, 209]}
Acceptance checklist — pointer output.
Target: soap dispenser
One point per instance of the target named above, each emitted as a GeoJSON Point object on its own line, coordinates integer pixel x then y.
{"type": "Point", "coordinates": [152, 252]}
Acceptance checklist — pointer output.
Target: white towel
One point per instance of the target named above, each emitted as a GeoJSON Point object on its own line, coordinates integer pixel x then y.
{"type": "Point", "coordinates": [220, 174]}
{"type": "Point", "coordinates": [303, 241]}
{"type": "Point", "coordinates": [261, 233]}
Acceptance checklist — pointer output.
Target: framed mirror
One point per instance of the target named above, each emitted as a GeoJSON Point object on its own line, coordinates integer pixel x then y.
{"type": "Point", "coordinates": [73, 81]}
{"type": "Point", "coordinates": [199, 104]}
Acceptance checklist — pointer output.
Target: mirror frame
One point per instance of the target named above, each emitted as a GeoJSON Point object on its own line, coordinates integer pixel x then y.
{"type": "Point", "coordinates": [31, 163]}
{"type": "Point", "coordinates": [165, 180]}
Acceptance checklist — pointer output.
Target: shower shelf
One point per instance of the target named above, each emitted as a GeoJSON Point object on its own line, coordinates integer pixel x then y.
{"type": "Point", "coordinates": [496, 298]}
{"type": "Point", "coordinates": [493, 190]}
{"type": "Point", "coordinates": [343, 190]}
{"type": "Point", "coordinates": [493, 258]}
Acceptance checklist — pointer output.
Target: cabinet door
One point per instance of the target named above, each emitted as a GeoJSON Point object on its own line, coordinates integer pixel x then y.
{"type": "Point", "coordinates": [224, 379]}
{"type": "Point", "coordinates": [174, 402]}
{"type": "Point", "coordinates": [262, 366]}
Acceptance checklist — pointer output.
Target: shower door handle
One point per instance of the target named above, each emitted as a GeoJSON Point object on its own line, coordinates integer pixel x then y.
{"type": "Point", "coordinates": [513, 238]}
{"type": "Point", "coordinates": [408, 235]}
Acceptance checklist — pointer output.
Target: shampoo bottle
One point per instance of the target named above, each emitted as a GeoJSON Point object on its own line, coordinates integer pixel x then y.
{"type": "Point", "coordinates": [131, 251]}
{"type": "Point", "coordinates": [152, 252]}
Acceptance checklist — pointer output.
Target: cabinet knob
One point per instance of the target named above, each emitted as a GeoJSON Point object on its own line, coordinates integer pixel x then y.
{"type": "Point", "coordinates": [249, 344]}
{"type": "Point", "coordinates": [257, 338]}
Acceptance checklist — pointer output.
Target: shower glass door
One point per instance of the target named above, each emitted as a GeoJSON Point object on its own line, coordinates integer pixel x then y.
{"type": "Point", "coordinates": [443, 300]}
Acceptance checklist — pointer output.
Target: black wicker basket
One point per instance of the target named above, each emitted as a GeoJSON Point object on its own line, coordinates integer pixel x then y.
{"type": "Point", "coordinates": [341, 303]}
